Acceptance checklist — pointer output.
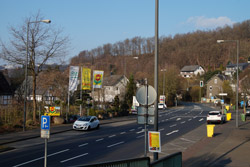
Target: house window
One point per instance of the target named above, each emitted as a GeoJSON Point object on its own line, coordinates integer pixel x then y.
{"type": "Point", "coordinates": [215, 81]}
{"type": "Point", "coordinates": [5, 99]}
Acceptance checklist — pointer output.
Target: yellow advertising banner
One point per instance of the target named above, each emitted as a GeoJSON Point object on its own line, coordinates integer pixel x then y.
{"type": "Point", "coordinates": [154, 141]}
{"type": "Point", "coordinates": [86, 79]}
{"type": "Point", "coordinates": [97, 79]}
{"type": "Point", "coordinates": [52, 111]}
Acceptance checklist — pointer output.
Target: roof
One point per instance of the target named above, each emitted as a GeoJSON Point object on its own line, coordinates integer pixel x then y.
{"type": "Point", "coordinates": [220, 76]}
{"type": "Point", "coordinates": [5, 88]}
{"type": "Point", "coordinates": [190, 68]}
{"type": "Point", "coordinates": [243, 65]}
{"type": "Point", "coordinates": [112, 80]}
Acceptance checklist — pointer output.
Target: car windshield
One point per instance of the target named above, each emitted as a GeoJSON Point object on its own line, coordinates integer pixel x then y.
{"type": "Point", "coordinates": [214, 113]}
{"type": "Point", "coordinates": [84, 119]}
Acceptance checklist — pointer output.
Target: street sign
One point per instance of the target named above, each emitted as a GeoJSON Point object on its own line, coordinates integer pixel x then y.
{"type": "Point", "coordinates": [45, 127]}
{"type": "Point", "coordinates": [45, 122]}
{"type": "Point", "coordinates": [142, 92]}
{"type": "Point", "coordinates": [154, 141]}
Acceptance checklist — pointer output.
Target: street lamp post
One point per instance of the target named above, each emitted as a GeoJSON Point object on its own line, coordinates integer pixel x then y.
{"type": "Point", "coordinates": [237, 87]}
{"type": "Point", "coordinates": [26, 68]}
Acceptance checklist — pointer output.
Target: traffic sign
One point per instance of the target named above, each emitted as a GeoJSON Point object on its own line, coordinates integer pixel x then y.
{"type": "Point", "coordinates": [45, 122]}
{"type": "Point", "coordinates": [146, 95]}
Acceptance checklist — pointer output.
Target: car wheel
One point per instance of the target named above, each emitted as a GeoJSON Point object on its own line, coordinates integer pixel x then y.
{"type": "Point", "coordinates": [88, 127]}
{"type": "Point", "coordinates": [98, 126]}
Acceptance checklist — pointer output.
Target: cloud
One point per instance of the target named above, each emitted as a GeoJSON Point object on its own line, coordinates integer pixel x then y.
{"type": "Point", "coordinates": [203, 22]}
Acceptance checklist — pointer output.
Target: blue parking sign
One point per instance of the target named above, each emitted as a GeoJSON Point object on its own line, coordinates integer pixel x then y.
{"type": "Point", "coordinates": [45, 122]}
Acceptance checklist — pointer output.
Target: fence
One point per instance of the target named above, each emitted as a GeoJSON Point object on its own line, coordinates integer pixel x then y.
{"type": "Point", "coordinates": [173, 160]}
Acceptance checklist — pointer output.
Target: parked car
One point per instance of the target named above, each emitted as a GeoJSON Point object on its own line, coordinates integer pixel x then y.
{"type": "Point", "coordinates": [86, 123]}
{"type": "Point", "coordinates": [73, 118]}
{"type": "Point", "coordinates": [216, 117]}
{"type": "Point", "coordinates": [248, 112]}
{"type": "Point", "coordinates": [161, 106]}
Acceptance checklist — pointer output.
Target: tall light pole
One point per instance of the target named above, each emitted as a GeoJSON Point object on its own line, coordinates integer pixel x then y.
{"type": "Point", "coordinates": [156, 70]}
{"type": "Point", "coordinates": [26, 68]}
{"type": "Point", "coordinates": [237, 87]}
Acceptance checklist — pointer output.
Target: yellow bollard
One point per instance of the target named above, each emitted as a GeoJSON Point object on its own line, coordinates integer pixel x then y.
{"type": "Point", "coordinates": [229, 116]}
{"type": "Point", "coordinates": [210, 130]}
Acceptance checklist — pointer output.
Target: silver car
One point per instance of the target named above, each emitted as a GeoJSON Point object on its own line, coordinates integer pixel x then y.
{"type": "Point", "coordinates": [86, 123]}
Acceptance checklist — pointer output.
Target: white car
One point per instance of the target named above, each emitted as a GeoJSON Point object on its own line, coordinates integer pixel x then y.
{"type": "Point", "coordinates": [86, 123]}
{"type": "Point", "coordinates": [216, 117]}
{"type": "Point", "coordinates": [161, 106]}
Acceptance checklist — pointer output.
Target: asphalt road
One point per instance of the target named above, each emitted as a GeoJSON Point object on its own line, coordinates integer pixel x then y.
{"type": "Point", "coordinates": [114, 141]}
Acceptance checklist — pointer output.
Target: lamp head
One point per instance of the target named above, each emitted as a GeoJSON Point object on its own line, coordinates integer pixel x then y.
{"type": "Point", "coordinates": [46, 21]}
{"type": "Point", "coordinates": [220, 41]}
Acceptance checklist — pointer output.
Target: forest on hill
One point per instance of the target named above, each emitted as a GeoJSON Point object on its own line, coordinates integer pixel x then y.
{"type": "Point", "coordinates": [136, 56]}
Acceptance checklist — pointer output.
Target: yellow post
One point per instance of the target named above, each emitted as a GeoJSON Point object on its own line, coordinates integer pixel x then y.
{"type": "Point", "coordinates": [210, 130]}
{"type": "Point", "coordinates": [229, 116]}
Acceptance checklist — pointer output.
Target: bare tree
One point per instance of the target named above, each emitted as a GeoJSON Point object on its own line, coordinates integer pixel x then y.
{"type": "Point", "coordinates": [44, 45]}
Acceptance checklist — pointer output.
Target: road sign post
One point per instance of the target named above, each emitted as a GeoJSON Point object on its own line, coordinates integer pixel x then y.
{"type": "Point", "coordinates": [45, 133]}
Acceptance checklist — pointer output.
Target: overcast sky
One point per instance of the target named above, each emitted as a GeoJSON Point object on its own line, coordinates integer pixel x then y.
{"type": "Point", "coordinates": [92, 23]}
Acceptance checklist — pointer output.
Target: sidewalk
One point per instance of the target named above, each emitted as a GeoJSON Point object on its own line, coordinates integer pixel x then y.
{"type": "Point", "coordinates": [34, 133]}
{"type": "Point", "coordinates": [229, 147]}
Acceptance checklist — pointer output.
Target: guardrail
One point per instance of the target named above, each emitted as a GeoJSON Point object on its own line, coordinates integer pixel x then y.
{"type": "Point", "coordinates": [137, 162]}
{"type": "Point", "coordinates": [173, 160]}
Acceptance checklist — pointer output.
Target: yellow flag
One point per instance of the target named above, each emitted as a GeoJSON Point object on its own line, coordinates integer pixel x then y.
{"type": "Point", "coordinates": [86, 79]}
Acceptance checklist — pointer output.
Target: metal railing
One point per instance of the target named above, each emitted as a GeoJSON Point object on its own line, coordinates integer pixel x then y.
{"type": "Point", "coordinates": [137, 162]}
{"type": "Point", "coordinates": [173, 160]}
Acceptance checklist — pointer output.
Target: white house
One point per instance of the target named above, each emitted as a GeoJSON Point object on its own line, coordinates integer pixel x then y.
{"type": "Point", "coordinates": [192, 70]}
{"type": "Point", "coordinates": [112, 85]}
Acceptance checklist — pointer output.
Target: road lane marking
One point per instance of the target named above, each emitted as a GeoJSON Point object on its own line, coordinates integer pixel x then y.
{"type": "Point", "coordinates": [99, 139]}
{"type": "Point", "coordinates": [140, 136]}
{"type": "Point", "coordinates": [74, 157]}
{"type": "Point", "coordinates": [83, 144]}
{"type": "Point", "coordinates": [173, 125]}
{"type": "Point", "coordinates": [183, 122]}
{"type": "Point", "coordinates": [131, 130]}
{"type": "Point", "coordinates": [201, 119]}
{"type": "Point", "coordinates": [122, 133]}
{"type": "Point", "coordinates": [139, 127]}
{"type": "Point", "coordinates": [190, 119]}
{"type": "Point", "coordinates": [161, 129]}
{"type": "Point", "coordinates": [112, 136]}
{"type": "Point", "coordinates": [40, 158]}
{"type": "Point", "coordinates": [115, 144]}
{"type": "Point", "coordinates": [175, 131]}
{"type": "Point", "coordinates": [140, 131]}
{"type": "Point", "coordinates": [178, 119]}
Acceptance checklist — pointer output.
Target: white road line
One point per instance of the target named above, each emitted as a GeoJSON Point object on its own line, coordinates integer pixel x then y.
{"type": "Point", "coordinates": [83, 145]}
{"type": "Point", "coordinates": [161, 129]}
{"type": "Point", "coordinates": [183, 122]}
{"type": "Point", "coordinates": [178, 119]}
{"type": "Point", "coordinates": [40, 158]}
{"type": "Point", "coordinates": [131, 130]}
{"type": "Point", "coordinates": [190, 119]}
{"type": "Point", "coordinates": [201, 119]}
{"type": "Point", "coordinates": [74, 157]}
{"type": "Point", "coordinates": [99, 139]}
{"type": "Point", "coordinates": [140, 136]}
{"type": "Point", "coordinates": [140, 131]}
{"type": "Point", "coordinates": [112, 136]}
{"type": "Point", "coordinates": [115, 144]}
{"type": "Point", "coordinates": [173, 125]}
{"type": "Point", "coordinates": [122, 133]}
{"type": "Point", "coordinates": [175, 131]}
{"type": "Point", "coordinates": [139, 128]}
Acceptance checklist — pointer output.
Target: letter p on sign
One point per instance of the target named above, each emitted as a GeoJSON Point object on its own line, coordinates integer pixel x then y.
{"type": "Point", "coordinates": [45, 122]}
